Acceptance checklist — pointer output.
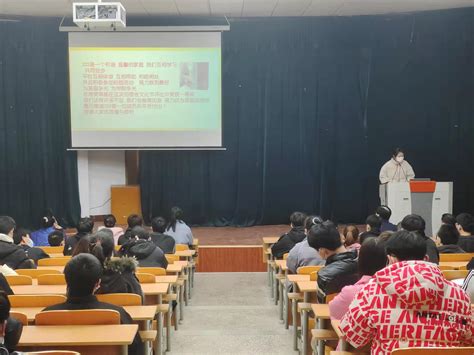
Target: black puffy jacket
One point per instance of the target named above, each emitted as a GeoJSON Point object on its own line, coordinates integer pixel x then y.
{"type": "Point", "coordinates": [288, 241]}
{"type": "Point", "coordinates": [14, 256]}
{"type": "Point", "coordinates": [340, 270]}
{"type": "Point", "coordinates": [146, 252]}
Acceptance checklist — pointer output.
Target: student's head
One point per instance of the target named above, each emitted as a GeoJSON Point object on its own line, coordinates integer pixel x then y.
{"type": "Point", "coordinates": [134, 220]}
{"type": "Point", "coordinates": [158, 224]}
{"type": "Point", "coordinates": [311, 221]}
{"type": "Point", "coordinates": [398, 154]}
{"type": "Point", "coordinates": [297, 219]}
{"type": "Point", "coordinates": [383, 212]}
{"type": "Point", "coordinates": [325, 238]}
{"type": "Point", "coordinates": [448, 218]}
{"type": "Point", "coordinates": [372, 257]}
{"type": "Point", "coordinates": [21, 236]}
{"type": "Point", "coordinates": [405, 245]}
{"type": "Point", "coordinates": [82, 273]}
{"type": "Point", "coordinates": [99, 244]}
{"type": "Point", "coordinates": [448, 234]}
{"type": "Point", "coordinates": [414, 223]}
{"type": "Point", "coordinates": [56, 238]}
{"type": "Point", "coordinates": [175, 216]}
{"type": "Point", "coordinates": [7, 225]}
{"type": "Point", "coordinates": [109, 221]}
{"type": "Point", "coordinates": [373, 222]}
{"type": "Point", "coordinates": [85, 225]}
{"type": "Point", "coordinates": [140, 233]}
{"type": "Point", "coordinates": [465, 223]}
{"type": "Point", "coordinates": [47, 221]}
{"type": "Point", "coordinates": [4, 312]}
{"type": "Point", "coordinates": [351, 234]}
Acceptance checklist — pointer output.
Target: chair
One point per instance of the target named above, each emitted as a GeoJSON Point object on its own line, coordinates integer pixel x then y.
{"type": "Point", "coordinates": [330, 297]}
{"type": "Point", "coordinates": [51, 279]}
{"type": "Point", "coordinates": [16, 280]}
{"type": "Point", "coordinates": [52, 250]}
{"type": "Point", "coordinates": [62, 261]}
{"type": "Point", "coordinates": [313, 276]}
{"type": "Point", "coordinates": [146, 278]}
{"type": "Point", "coordinates": [455, 274]}
{"type": "Point", "coordinates": [21, 317]}
{"type": "Point", "coordinates": [18, 301]}
{"type": "Point", "coordinates": [307, 270]}
{"type": "Point", "coordinates": [181, 247]}
{"type": "Point", "coordinates": [285, 256]}
{"type": "Point", "coordinates": [456, 257]}
{"type": "Point", "coordinates": [434, 351]}
{"type": "Point", "coordinates": [121, 299]}
{"type": "Point", "coordinates": [78, 317]}
{"type": "Point", "coordinates": [171, 258]}
{"type": "Point", "coordinates": [445, 267]}
{"type": "Point", "coordinates": [157, 271]}
{"type": "Point", "coordinates": [34, 273]}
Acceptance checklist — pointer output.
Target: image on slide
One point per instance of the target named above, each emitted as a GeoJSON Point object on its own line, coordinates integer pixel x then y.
{"type": "Point", "coordinates": [194, 76]}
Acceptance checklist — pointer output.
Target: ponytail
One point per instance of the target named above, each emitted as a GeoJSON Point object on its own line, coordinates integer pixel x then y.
{"type": "Point", "coordinates": [176, 216]}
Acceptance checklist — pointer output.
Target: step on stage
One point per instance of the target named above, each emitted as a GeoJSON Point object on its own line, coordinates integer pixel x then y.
{"type": "Point", "coordinates": [233, 249]}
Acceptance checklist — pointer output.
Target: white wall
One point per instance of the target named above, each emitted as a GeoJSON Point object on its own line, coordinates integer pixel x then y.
{"type": "Point", "coordinates": [97, 172]}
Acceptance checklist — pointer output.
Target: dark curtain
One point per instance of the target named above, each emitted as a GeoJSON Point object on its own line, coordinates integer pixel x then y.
{"type": "Point", "coordinates": [312, 108]}
{"type": "Point", "coordinates": [37, 172]}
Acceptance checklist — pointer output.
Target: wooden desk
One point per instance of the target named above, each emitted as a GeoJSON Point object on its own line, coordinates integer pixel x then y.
{"type": "Point", "coordinates": [307, 287]}
{"type": "Point", "coordinates": [321, 311]}
{"type": "Point", "coordinates": [456, 265]}
{"type": "Point", "coordinates": [176, 267]}
{"type": "Point", "coordinates": [185, 253]}
{"type": "Point", "coordinates": [267, 243]}
{"type": "Point", "coordinates": [281, 264]}
{"type": "Point", "coordinates": [75, 336]}
{"type": "Point", "coordinates": [171, 279]}
{"type": "Point", "coordinates": [296, 277]}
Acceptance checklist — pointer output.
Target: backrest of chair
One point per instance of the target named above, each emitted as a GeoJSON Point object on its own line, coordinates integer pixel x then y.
{"type": "Point", "coordinates": [17, 301]}
{"type": "Point", "coordinates": [285, 256]}
{"type": "Point", "coordinates": [121, 299]}
{"type": "Point", "coordinates": [52, 352]}
{"type": "Point", "coordinates": [157, 271]}
{"type": "Point", "coordinates": [54, 261]}
{"type": "Point", "coordinates": [181, 247]}
{"type": "Point", "coordinates": [15, 280]}
{"type": "Point", "coordinates": [445, 267]}
{"type": "Point", "coordinates": [51, 279]}
{"type": "Point", "coordinates": [53, 250]}
{"type": "Point", "coordinates": [455, 274]}
{"type": "Point", "coordinates": [313, 276]}
{"type": "Point", "coordinates": [434, 351]}
{"type": "Point", "coordinates": [34, 273]}
{"type": "Point", "coordinates": [21, 317]}
{"type": "Point", "coordinates": [78, 317]}
{"type": "Point", "coordinates": [171, 258]}
{"type": "Point", "coordinates": [456, 257]}
{"type": "Point", "coordinates": [146, 278]}
{"type": "Point", "coordinates": [330, 297]}
{"type": "Point", "coordinates": [307, 270]}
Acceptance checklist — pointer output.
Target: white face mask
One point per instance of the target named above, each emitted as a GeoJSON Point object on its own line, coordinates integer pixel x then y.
{"type": "Point", "coordinates": [399, 159]}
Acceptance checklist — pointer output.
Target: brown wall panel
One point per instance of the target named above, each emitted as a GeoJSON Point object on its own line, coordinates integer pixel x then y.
{"type": "Point", "coordinates": [230, 258]}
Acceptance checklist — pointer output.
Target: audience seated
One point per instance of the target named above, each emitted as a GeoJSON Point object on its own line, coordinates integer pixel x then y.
{"type": "Point", "coordinates": [21, 237]}
{"type": "Point", "coordinates": [141, 248]}
{"type": "Point", "coordinates": [302, 254]}
{"type": "Point", "coordinates": [468, 285]}
{"type": "Point", "coordinates": [119, 273]}
{"type": "Point", "coordinates": [448, 218]}
{"type": "Point", "coordinates": [10, 254]}
{"type": "Point", "coordinates": [465, 226]}
{"type": "Point", "coordinates": [48, 225]}
{"type": "Point", "coordinates": [83, 277]}
{"type": "Point", "coordinates": [384, 212]}
{"type": "Point", "coordinates": [10, 328]}
{"type": "Point", "coordinates": [288, 240]}
{"type": "Point", "coordinates": [56, 238]}
{"type": "Point", "coordinates": [177, 229]}
{"type": "Point", "coordinates": [133, 220]}
{"type": "Point", "coordinates": [341, 265]}
{"type": "Point", "coordinates": [109, 223]}
{"type": "Point", "coordinates": [161, 240]}
{"type": "Point", "coordinates": [372, 258]}
{"type": "Point", "coordinates": [415, 223]}
{"type": "Point", "coordinates": [373, 223]}
{"type": "Point", "coordinates": [84, 227]}
{"type": "Point", "coordinates": [408, 303]}
{"type": "Point", "coordinates": [351, 237]}
{"type": "Point", "coordinates": [448, 237]}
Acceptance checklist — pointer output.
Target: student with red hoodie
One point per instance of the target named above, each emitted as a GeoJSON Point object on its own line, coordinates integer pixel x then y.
{"type": "Point", "coordinates": [408, 303]}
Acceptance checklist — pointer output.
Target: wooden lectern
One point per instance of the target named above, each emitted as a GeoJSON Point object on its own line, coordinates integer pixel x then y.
{"type": "Point", "coordinates": [125, 200]}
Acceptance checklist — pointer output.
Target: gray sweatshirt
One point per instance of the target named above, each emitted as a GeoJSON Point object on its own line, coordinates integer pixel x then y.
{"type": "Point", "coordinates": [303, 255]}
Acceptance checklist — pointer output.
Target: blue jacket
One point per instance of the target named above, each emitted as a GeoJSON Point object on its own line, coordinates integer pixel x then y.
{"type": "Point", "coordinates": [40, 237]}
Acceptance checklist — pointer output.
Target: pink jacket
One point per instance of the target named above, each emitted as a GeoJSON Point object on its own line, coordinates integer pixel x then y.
{"type": "Point", "coordinates": [340, 304]}
{"type": "Point", "coordinates": [409, 304]}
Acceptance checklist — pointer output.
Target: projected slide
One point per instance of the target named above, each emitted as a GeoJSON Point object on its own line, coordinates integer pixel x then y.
{"type": "Point", "coordinates": [145, 90]}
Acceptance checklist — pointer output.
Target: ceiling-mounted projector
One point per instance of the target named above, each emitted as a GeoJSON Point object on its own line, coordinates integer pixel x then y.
{"type": "Point", "coordinates": [99, 15]}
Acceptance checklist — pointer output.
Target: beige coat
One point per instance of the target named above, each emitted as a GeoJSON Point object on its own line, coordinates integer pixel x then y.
{"type": "Point", "coordinates": [392, 171]}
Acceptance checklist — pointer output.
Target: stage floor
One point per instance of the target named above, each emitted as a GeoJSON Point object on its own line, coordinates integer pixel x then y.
{"type": "Point", "coordinates": [237, 235]}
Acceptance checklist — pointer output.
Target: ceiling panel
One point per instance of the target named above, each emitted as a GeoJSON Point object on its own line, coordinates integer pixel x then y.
{"type": "Point", "coordinates": [259, 7]}
{"type": "Point", "coordinates": [323, 7]}
{"type": "Point", "coordinates": [226, 7]}
{"type": "Point", "coordinates": [193, 7]}
{"type": "Point", "coordinates": [34, 8]}
{"type": "Point", "coordinates": [291, 7]}
{"type": "Point", "coordinates": [160, 7]}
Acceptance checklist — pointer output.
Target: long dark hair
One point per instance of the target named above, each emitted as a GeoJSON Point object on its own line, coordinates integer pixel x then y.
{"type": "Point", "coordinates": [176, 215]}
{"type": "Point", "coordinates": [99, 244]}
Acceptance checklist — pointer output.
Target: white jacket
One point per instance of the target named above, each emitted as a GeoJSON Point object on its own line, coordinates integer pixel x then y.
{"type": "Point", "coordinates": [392, 171]}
